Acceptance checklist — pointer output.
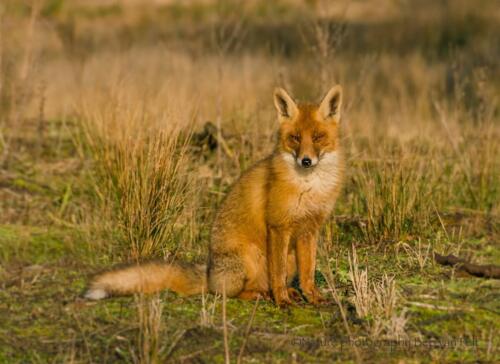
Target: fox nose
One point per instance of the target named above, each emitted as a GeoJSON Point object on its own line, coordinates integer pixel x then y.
{"type": "Point", "coordinates": [306, 162]}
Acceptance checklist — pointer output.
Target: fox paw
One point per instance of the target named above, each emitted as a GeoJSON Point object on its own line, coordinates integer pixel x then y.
{"type": "Point", "coordinates": [294, 294]}
{"type": "Point", "coordinates": [282, 300]}
{"type": "Point", "coordinates": [314, 296]}
{"type": "Point", "coordinates": [253, 295]}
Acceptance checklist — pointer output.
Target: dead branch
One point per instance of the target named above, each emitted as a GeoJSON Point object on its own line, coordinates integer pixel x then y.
{"type": "Point", "coordinates": [438, 307]}
{"type": "Point", "coordinates": [486, 271]}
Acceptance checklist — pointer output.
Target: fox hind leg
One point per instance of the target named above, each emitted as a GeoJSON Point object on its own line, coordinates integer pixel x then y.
{"type": "Point", "coordinates": [226, 273]}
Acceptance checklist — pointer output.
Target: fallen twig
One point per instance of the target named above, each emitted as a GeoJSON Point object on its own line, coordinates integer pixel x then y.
{"type": "Point", "coordinates": [438, 307]}
{"type": "Point", "coordinates": [173, 346]}
{"type": "Point", "coordinates": [486, 271]}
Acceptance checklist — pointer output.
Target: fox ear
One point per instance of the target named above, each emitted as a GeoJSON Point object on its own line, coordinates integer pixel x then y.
{"type": "Point", "coordinates": [286, 107]}
{"type": "Point", "coordinates": [331, 104]}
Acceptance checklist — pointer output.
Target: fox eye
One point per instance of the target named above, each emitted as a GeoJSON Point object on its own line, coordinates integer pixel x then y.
{"type": "Point", "coordinates": [318, 137]}
{"type": "Point", "coordinates": [294, 138]}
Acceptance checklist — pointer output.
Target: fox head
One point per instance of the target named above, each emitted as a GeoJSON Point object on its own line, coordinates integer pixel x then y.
{"type": "Point", "coordinates": [309, 133]}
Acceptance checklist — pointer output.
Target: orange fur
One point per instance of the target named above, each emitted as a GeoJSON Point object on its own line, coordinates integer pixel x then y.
{"type": "Point", "coordinates": [266, 228]}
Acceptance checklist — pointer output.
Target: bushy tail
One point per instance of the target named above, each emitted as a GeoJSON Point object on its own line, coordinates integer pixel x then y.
{"type": "Point", "coordinates": [150, 277]}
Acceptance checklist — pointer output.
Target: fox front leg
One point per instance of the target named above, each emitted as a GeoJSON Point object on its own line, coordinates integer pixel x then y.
{"type": "Point", "coordinates": [306, 260]}
{"type": "Point", "coordinates": [279, 239]}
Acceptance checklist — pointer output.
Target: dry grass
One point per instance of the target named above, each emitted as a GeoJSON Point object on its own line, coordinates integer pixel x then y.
{"type": "Point", "coordinates": [140, 172]}
{"type": "Point", "coordinates": [208, 306]}
{"type": "Point", "coordinates": [363, 296]}
{"type": "Point", "coordinates": [395, 195]}
{"type": "Point", "coordinates": [377, 302]}
{"type": "Point", "coordinates": [150, 338]}
{"type": "Point", "coordinates": [418, 253]}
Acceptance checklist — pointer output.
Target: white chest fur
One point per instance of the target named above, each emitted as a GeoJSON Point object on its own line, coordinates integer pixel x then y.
{"type": "Point", "coordinates": [316, 186]}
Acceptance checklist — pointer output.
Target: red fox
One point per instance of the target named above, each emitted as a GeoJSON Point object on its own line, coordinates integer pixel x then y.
{"type": "Point", "coordinates": [266, 229]}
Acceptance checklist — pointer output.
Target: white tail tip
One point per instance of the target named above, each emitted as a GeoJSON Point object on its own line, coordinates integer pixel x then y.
{"type": "Point", "coordinates": [96, 294]}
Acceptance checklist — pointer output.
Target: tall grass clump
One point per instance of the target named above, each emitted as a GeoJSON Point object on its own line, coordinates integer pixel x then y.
{"type": "Point", "coordinates": [475, 159]}
{"type": "Point", "coordinates": [395, 195]}
{"type": "Point", "coordinates": [139, 174]}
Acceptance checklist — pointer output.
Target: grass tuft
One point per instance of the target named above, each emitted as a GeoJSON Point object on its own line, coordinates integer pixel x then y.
{"type": "Point", "coordinates": [140, 174]}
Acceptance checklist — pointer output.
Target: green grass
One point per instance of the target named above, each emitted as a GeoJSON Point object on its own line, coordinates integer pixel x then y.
{"type": "Point", "coordinates": [44, 318]}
